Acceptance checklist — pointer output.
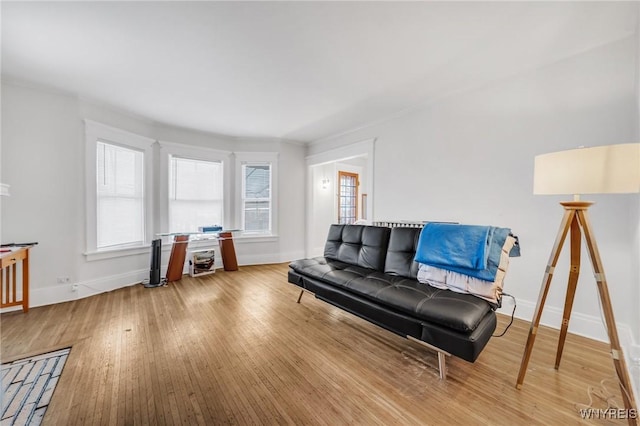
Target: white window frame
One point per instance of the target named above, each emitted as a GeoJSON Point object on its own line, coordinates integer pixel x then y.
{"type": "Point", "coordinates": [97, 132]}
{"type": "Point", "coordinates": [270, 158]}
{"type": "Point", "coordinates": [195, 153]}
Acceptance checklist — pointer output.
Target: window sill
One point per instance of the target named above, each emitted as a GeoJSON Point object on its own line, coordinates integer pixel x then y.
{"type": "Point", "coordinates": [255, 238]}
{"type": "Point", "coordinates": [193, 244]}
{"type": "Point", "coordinates": [119, 252]}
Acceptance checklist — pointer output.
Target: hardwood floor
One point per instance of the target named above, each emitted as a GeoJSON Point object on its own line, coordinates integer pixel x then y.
{"type": "Point", "coordinates": [235, 348]}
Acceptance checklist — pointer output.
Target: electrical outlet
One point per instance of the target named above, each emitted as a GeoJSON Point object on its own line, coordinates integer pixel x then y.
{"type": "Point", "coordinates": [63, 280]}
{"type": "Point", "coordinates": [74, 287]}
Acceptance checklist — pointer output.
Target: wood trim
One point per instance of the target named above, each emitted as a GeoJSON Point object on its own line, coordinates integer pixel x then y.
{"type": "Point", "coordinates": [9, 278]}
{"type": "Point", "coordinates": [339, 186]}
{"type": "Point", "coordinates": [44, 350]}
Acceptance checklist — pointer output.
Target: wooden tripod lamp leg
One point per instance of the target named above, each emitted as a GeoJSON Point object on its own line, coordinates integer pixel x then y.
{"type": "Point", "coordinates": [565, 225]}
{"type": "Point", "coordinates": [603, 291]}
{"type": "Point", "coordinates": [574, 273]}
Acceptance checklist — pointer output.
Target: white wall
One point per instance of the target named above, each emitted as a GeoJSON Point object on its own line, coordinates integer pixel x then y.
{"type": "Point", "coordinates": [469, 158]}
{"type": "Point", "coordinates": [321, 204]}
{"type": "Point", "coordinates": [635, 252]}
{"type": "Point", "coordinates": [291, 219]}
{"type": "Point", "coordinates": [323, 207]}
{"type": "Point", "coordinates": [43, 160]}
{"type": "Point", "coordinates": [636, 265]}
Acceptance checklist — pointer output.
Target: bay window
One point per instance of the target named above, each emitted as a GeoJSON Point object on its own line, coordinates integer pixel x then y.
{"type": "Point", "coordinates": [194, 188]}
{"type": "Point", "coordinates": [120, 196]}
{"type": "Point", "coordinates": [195, 194]}
{"type": "Point", "coordinates": [256, 201]}
{"type": "Point", "coordinates": [118, 189]}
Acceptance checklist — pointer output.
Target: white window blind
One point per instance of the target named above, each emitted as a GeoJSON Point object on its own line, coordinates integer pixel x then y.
{"type": "Point", "coordinates": [195, 194]}
{"type": "Point", "coordinates": [120, 196]}
{"type": "Point", "coordinates": [256, 197]}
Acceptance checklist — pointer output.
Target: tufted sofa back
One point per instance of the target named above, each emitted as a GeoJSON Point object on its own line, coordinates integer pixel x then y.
{"type": "Point", "coordinates": [402, 250]}
{"type": "Point", "coordinates": [360, 245]}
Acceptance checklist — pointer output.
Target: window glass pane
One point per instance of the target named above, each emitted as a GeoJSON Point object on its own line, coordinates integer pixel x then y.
{"type": "Point", "coordinates": [256, 215]}
{"type": "Point", "coordinates": [187, 216]}
{"type": "Point", "coordinates": [257, 180]}
{"type": "Point", "coordinates": [120, 196]}
{"type": "Point", "coordinates": [195, 179]}
{"type": "Point", "coordinates": [348, 198]}
{"type": "Point", "coordinates": [195, 194]}
{"type": "Point", "coordinates": [256, 197]}
{"type": "Point", "coordinates": [119, 221]}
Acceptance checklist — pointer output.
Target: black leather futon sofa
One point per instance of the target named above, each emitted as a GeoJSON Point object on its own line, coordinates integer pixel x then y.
{"type": "Point", "coordinates": [369, 271]}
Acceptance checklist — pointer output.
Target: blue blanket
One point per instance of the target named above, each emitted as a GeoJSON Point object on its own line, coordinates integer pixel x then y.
{"type": "Point", "coordinates": [446, 244]}
{"type": "Point", "coordinates": [467, 249]}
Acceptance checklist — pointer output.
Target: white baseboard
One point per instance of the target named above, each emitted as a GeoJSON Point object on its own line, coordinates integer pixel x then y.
{"type": "Point", "coordinates": [64, 292]}
{"type": "Point", "coordinates": [583, 325]}
{"type": "Point", "coordinates": [269, 258]}
{"type": "Point", "coordinates": [633, 359]}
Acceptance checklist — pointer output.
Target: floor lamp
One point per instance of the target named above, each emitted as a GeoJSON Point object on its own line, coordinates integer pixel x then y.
{"type": "Point", "coordinates": [611, 169]}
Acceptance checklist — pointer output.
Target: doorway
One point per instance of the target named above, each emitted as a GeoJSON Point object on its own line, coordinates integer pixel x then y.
{"type": "Point", "coordinates": [348, 184]}
{"type": "Point", "coordinates": [325, 205]}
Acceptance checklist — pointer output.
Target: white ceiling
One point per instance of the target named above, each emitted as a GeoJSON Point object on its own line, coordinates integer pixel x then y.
{"type": "Point", "coordinates": [293, 70]}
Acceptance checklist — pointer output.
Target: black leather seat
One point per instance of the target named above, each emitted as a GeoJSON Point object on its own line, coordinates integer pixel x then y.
{"type": "Point", "coordinates": [458, 311]}
{"type": "Point", "coordinates": [370, 271]}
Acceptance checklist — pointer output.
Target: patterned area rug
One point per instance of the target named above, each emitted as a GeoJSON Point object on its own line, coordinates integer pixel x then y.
{"type": "Point", "coordinates": [27, 387]}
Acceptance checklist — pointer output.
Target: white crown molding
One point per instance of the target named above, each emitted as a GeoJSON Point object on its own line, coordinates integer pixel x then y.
{"type": "Point", "coordinates": [157, 126]}
{"type": "Point", "coordinates": [267, 139]}
{"type": "Point", "coordinates": [110, 132]}
{"type": "Point", "coordinates": [440, 97]}
{"type": "Point", "coordinates": [265, 156]}
{"type": "Point", "coordinates": [343, 152]}
{"type": "Point", "coordinates": [11, 80]}
{"type": "Point", "coordinates": [181, 147]}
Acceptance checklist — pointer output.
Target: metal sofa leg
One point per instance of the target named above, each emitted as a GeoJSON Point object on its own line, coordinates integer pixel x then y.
{"type": "Point", "coordinates": [442, 364]}
{"type": "Point", "coordinates": [442, 367]}
{"type": "Point", "coordinates": [300, 297]}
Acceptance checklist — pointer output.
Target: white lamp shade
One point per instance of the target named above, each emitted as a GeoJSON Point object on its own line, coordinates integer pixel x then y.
{"type": "Point", "coordinates": [609, 169]}
{"type": "Point", "coordinates": [4, 189]}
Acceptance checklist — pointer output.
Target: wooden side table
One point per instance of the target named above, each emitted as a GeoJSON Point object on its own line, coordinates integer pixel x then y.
{"type": "Point", "coordinates": [179, 251]}
{"type": "Point", "coordinates": [8, 282]}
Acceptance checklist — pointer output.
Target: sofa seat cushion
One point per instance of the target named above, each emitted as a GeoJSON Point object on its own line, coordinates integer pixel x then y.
{"type": "Point", "coordinates": [458, 311]}
{"type": "Point", "coordinates": [330, 271]}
